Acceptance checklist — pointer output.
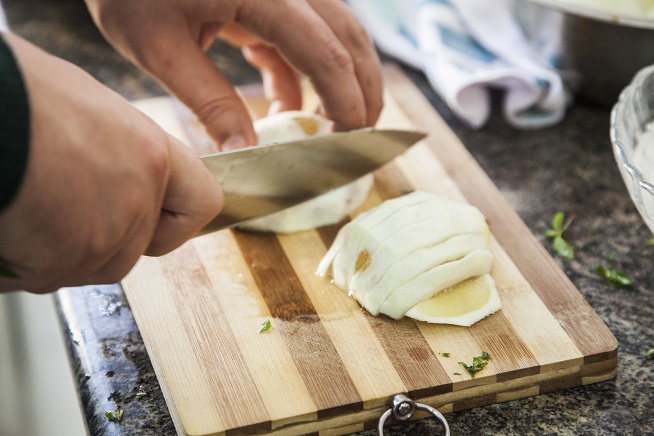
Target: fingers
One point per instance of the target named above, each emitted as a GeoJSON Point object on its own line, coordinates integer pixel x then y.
{"type": "Point", "coordinates": [356, 40]}
{"type": "Point", "coordinates": [281, 83]}
{"type": "Point", "coordinates": [324, 41]}
{"type": "Point", "coordinates": [196, 81]}
{"type": "Point", "coordinates": [192, 199]}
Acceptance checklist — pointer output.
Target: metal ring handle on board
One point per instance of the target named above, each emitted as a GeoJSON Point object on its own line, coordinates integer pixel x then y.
{"type": "Point", "coordinates": [403, 409]}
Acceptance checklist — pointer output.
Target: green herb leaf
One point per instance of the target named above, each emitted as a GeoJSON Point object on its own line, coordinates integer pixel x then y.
{"type": "Point", "coordinates": [446, 354]}
{"type": "Point", "coordinates": [478, 363]}
{"type": "Point", "coordinates": [561, 246]}
{"type": "Point", "coordinates": [614, 276]}
{"type": "Point", "coordinates": [457, 373]}
{"type": "Point", "coordinates": [557, 221]}
{"type": "Point", "coordinates": [265, 326]}
{"type": "Point", "coordinates": [650, 243]}
{"type": "Point", "coordinates": [114, 416]}
{"type": "Point", "coordinates": [141, 394]}
{"type": "Point", "coordinates": [650, 353]}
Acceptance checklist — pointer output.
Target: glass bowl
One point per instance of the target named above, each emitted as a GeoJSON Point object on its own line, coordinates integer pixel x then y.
{"type": "Point", "coordinates": [632, 136]}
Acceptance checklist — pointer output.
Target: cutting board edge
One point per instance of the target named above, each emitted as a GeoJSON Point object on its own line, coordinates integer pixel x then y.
{"type": "Point", "coordinates": [523, 388]}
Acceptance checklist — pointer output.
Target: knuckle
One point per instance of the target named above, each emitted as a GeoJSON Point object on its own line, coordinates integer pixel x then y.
{"type": "Point", "coordinates": [359, 39]}
{"type": "Point", "coordinates": [338, 57]}
{"type": "Point", "coordinates": [155, 154]}
{"type": "Point", "coordinates": [216, 108]}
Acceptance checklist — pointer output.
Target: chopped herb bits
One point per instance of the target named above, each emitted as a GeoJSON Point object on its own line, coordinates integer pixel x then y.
{"type": "Point", "coordinates": [478, 363]}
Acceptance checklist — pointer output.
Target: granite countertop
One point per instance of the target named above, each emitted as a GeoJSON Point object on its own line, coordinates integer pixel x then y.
{"type": "Point", "coordinates": [568, 167]}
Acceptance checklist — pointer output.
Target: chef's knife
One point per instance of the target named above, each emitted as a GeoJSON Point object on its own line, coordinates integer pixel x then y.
{"type": "Point", "coordinates": [264, 179]}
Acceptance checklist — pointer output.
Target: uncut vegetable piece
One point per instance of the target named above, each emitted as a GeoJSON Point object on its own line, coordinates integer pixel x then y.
{"type": "Point", "coordinates": [326, 209]}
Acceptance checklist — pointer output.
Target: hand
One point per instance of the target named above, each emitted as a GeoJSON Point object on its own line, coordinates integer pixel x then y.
{"type": "Point", "coordinates": [104, 184]}
{"type": "Point", "coordinates": [318, 38]}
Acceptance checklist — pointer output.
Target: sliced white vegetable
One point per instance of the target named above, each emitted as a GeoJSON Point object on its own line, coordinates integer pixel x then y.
{"type": "Point", "coordinates": [427, 284]}
{"type": "Point", "coordinates": [463, 304]}
{"type": "Point", "coordinates": [376, 215]}
{"type": "Point", "coordinates": [406, 250]}
{"type": "Point", "coordinates": [372, 289]}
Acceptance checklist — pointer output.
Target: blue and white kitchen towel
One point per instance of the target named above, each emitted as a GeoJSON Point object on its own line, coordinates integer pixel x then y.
{"type": "Point", "coordinates": [465, 47]}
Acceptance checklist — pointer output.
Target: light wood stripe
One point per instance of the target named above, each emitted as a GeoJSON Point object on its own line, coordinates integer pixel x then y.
{"type": "Point", "coordinates": [538, 329]}
{"type": "Point", "coordinates": [227, 374]}
{"type": "Point", "coordinates": [390, 182]}
{"type": "Point", "coordinates": [185, 380]}
{"type": "Point", "coordinates": [346, 324]}
{"type": "Point", "coordinates": [284, 396]}
{"type": "Point", "coordinates": [315, 356]}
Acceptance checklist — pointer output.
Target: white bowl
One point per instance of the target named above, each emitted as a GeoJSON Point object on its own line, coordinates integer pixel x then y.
{"type": "Point", "coordinates": [633, 141]}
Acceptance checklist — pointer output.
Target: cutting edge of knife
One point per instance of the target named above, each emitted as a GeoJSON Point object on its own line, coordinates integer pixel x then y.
{"type": "Point", "coordinates": [418, 136]}
{"type": "Point", "coordinates": [222, 221]}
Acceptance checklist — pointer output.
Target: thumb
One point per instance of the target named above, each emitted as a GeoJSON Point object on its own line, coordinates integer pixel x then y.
{"type": "Point", "coordinates": [195, 80]}
{"type": "Point", "coordinates": [193, 197]}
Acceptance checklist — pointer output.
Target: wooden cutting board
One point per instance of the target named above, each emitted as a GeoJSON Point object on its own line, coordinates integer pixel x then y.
{"type": "Point", "coordinates": [326, 366]}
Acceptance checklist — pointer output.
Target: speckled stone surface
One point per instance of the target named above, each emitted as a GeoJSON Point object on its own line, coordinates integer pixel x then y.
{"type": "Point", "coordinates": [568, 168]}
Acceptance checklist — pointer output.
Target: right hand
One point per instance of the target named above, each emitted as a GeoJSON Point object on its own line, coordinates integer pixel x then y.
{"type": "Point", "coordinates": [103, 185]}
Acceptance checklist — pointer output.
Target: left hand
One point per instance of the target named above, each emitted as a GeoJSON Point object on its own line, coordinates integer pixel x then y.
{"type": "Point", "coordinates": [319, 38]}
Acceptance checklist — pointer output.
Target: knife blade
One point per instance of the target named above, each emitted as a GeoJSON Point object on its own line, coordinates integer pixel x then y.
{"type": "Point", "coordinates": [264, 179]}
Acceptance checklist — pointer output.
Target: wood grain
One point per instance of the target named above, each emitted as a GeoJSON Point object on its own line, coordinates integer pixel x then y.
{"type": "Point", "coordinates": [326, 366]}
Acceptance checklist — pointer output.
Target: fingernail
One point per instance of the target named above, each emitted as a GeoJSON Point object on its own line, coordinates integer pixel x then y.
{"type": "Point", "coordinates": [233, 142]}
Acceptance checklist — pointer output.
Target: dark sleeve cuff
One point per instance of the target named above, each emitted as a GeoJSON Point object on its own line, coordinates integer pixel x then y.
{"type": "Point", "coordinates": [14, 126]}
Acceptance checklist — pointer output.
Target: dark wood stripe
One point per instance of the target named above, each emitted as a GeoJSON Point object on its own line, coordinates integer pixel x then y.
{"type": "Point", "coordinates": [411, 356]}
{"type": "Point", "coordinates": [601, 357]}
{"type": "Point", "coordinates": [485, 400]}
{"type": "Point", "coordinates": [570, 381]}
{"type": "Point", "coordinates": [599, 368]}
{"type": "Point", "coordinates": [250, 430]}
{"type": "Point", "coordinates": [316, 358]}
{"type": "Point", "coordinates": [372, 425]}
{"type": "Point", "coordinates": [228, 375]}
{"type": "Point", "coordinates": [510, 357]}
{"type": "Point", "coordinates": [518, 373]}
